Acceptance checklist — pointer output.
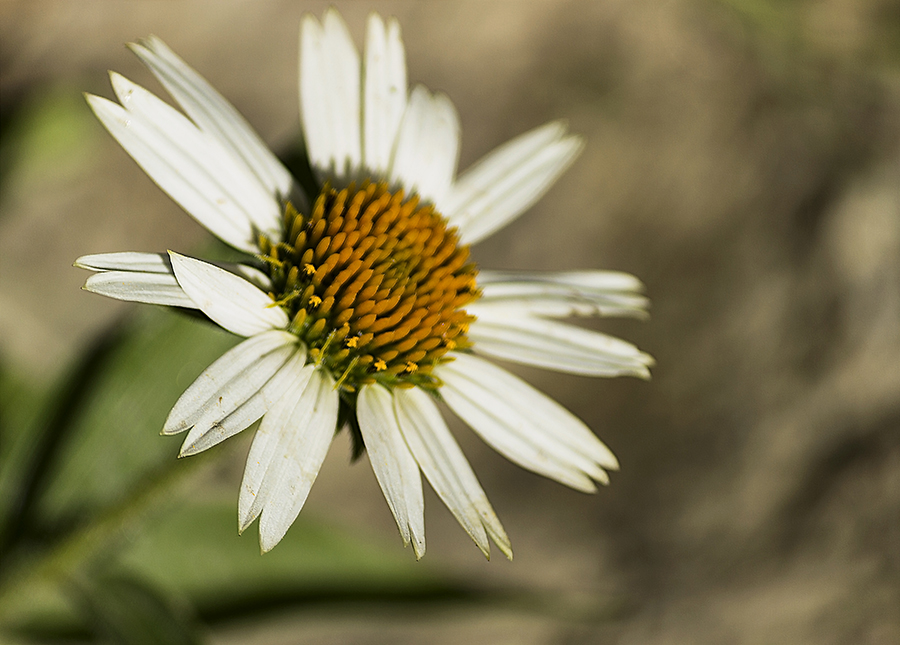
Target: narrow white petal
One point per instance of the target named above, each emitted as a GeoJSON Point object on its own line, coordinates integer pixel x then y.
{"type": "Point", "coordinates": [610, 281]}
{"type": "Point", "coordinates": [542, 410]}
{"type": "Point", "coordinates": [178, 173]}
{"type": "Point", "coordinates": [229, 300]}
{"type": "Point", "coordinates": [329, 95]}
{"type": "Point", "coordinates": [395, 468]}
{"type": "Point", "coordinates": [427, 146]}
{"type": "Point", "coordinates": [384, 98]}
{"type": "Point", "coordinates": [447, 469]}
{"type": "Point", "coordinates": [303, 440]}
{"type": "Point", "coordinates": [583, 293]}
{"type": "Point", "coordinates": [228, 373]}
{"type": "Point", "coordinates": [508, 180]}
{"type": "Point", "coordinates": [498, 163]}
{"type": "Point", "coordinates": [265, 441]}
{"type": "Point", "coordinates": [214, 115]}
{"type": "Point", "coordinates": [233, 185]}
{"type": "Point", "coordinates": [126, 261]}
{"type": "Point", "coordinates": [134, 286]}
{"type": "Point", "coordinates": [148, 277]}
{"type": "Point", "coordinates": [234, 410]}
{"type": "Point", "coordinates": [555, 345]}
{"type": "Point", "coordinates": [560, 306]}
{"type": "Point", "coordinates": [524, 424]}
{"type": "Point", "coordinates": [251, 274]}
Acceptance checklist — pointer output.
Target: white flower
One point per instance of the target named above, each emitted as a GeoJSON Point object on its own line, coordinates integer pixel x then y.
{"type": "Point", "coordinates": [363, 307]}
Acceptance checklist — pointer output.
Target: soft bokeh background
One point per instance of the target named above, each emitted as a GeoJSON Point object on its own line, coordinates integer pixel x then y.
{"type": "Point", "coordinates": [742, 158]}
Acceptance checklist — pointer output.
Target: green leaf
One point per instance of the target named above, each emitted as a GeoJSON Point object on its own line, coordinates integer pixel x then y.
{"type": "Point", "coordinates": [128, 611]}
{"type": "Point", "coordinates": [114, 440]}
{"type": "Point", "coordinates": [195, 550]}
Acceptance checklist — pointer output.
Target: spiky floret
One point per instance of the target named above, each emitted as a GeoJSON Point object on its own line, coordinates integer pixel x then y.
{"type": "Point", "coordinates": [375, 285]}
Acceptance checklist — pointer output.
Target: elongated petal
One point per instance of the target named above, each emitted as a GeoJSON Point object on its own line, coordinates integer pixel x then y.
{"type": "Point", "coordinates": [582, 293]}
{"type": "Point", "coordinates": [602, 281]}
{"type": "Point", "coordinates": [178, 172]}
{"type": "Point", "coordinates": [266, 441]}
{"type": "Point", "coordinates": [303, 441]}
{"type": "Point", "coordinates": [427, 146]}
{"type": "Point", "coordinates": [229, 300]}
{"type": "Point", "coordinates": [508, 180]}
{"type": "Point", "coordinates": [233, 184]}
{"type": "Point", "coordinates": [126, 261]}
{"type": "Point", "coordinates": [251, 274]}
{"type": "Point", "coordinates": [329, 95]}
{"type": "Point", "coordinates": [149, 288]}
{"type": "Point", "coordinates": [384, 98]}
{"type": "Point", "coordinates": [556, 345]}
{"type": "Point", "coordinates": [214, 115]}
{"type": "Point", "coordinates": [232, 413]}
{"type": "Point", "coordinates": [261, 355]}
{"type": "Point", "coordinates": [395, 468]}
{"type": "Point", "coordinates": [148, 277]}
{"type": "Point", "coordinates": [524, 424]}
{"type": "Point", "coordinates": [447, 469]}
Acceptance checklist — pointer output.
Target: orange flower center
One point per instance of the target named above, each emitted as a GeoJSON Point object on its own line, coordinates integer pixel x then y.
{"type": "Point", "coordinates": [375, 285]}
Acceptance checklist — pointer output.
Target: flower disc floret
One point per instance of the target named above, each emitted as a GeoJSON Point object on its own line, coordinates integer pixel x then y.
{"type": "Point", "coordinates": [375, 285]}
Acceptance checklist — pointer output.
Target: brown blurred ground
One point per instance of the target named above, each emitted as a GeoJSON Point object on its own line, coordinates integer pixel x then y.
{"type": "Point", "coordinates": [743, 159]}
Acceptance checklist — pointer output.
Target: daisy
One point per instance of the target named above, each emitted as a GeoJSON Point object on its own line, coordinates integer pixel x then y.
{"type": "Point", "coordinates": [360, 305]}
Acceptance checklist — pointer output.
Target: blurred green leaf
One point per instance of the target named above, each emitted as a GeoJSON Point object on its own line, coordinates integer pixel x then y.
{"type": "Point", "coordinates": [49, 128]}
{"type": "Point", "coordinates": [128, 611]}
{"type": "Point", "coordinates": [22, 408]}
{"type": "Point", "coordinates": [195, 550]}
{"type": "Point", "coordinates": [114, 441]}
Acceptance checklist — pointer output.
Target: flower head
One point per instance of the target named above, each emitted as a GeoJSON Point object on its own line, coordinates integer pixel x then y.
{"type": "Point", "coordinates": [359, 302]}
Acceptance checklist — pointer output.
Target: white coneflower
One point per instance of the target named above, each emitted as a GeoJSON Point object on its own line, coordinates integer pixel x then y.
{"type": "Point", "coordinates": [360, 305]}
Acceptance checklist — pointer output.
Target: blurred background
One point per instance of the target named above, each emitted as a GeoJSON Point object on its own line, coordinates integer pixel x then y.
{"type": "Point", "coordinates": [742, 159]}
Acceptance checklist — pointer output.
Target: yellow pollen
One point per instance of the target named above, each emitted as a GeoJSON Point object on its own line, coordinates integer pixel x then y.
{"type": "Point", "coordinates": [353, 341]}
{"type": "Point", "coordinates": [412, 367]}
{"type": "Point", "coordinates": [315, 301]}
{"type": "Point", "coordinates": [309, 269]}
{"type": "Point", "coordinates": [380, 365]}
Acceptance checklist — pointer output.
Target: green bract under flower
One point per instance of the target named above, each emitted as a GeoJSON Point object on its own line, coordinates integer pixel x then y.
{"type": "Point", "coordinates": [375, 285]}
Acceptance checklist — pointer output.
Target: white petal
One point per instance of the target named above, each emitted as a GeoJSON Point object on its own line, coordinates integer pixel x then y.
{"type": "Point", "coordinates": [179, 160]}
{"type": "Point", "coordinates": [446, 468]}
{"type": "Point", "coordinates": [214, 115]}
{"type": "Point", "coordinates": [395, 468]}
{"type": "Point", "coordinates": [524, 424]}
{"type": "Point", "coordinates": [251, 274]}
{"type": "Point", "coordinates": [555, 345]}
{"type": "Point", "coordinates": [329, 95]}
{"type": "Point", "coordinates": [235, 376]}
{"type": "Point", "coordinates": [234, 410]}
{"type": "Point", "coordinates": [134, 286]}
{"type": "Point", "coordinates": [384, 98]}
{"type": "Point", "coordinates": [236, 183]}
{"type": "Point", "coordinates": [148, 277]}
{"type": "Point", "coordinates": [503, 184]}
{"type": "Point", "coordinates": [304, 434]}
{"type": "Point", "coordinates": [126, 261]}
{"type": "Point", "coordinates": [427, 146]}
{"type": "Point", "coordinates": [605, 281]}
{"type": "Point", "coordinates": [265, 441]}
{"type": "Point", "coordinates": [583, 293]}
{"type": "Point", "coordinates": [229, 300]}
